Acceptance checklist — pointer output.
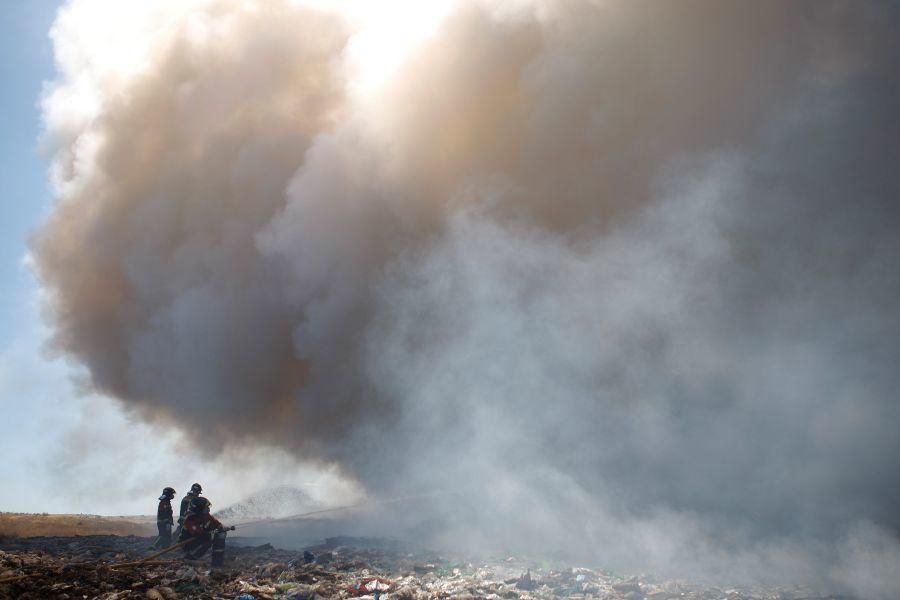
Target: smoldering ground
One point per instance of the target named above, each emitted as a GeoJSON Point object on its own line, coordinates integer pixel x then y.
{"type": "Point", "coordinates": [618, 276]}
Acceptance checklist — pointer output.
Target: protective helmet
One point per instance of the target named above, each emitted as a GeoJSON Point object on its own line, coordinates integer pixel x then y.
{"type": "Point", "coordinates": [196, 488]}
{"type": "Point", "coordinates": [167, 493]}
{"type": "Point", "coordinates": [199, 505]}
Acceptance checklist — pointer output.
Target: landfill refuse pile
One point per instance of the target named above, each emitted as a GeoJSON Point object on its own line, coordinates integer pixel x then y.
{"type": "Point", "coordinates": [104, 567]}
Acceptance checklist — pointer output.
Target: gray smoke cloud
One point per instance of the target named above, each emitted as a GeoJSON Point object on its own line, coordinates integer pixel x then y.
{"type": "Point", "coordinates": [620, 275]}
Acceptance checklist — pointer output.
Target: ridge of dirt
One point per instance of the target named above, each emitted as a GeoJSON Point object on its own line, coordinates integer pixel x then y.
{"type": "Point", "coordinates": [26, 525]}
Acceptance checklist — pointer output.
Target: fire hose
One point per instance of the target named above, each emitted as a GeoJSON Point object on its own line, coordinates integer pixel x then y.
{"type": "Point", "coordinates": [161, 552]}
{"type": "Point", "coordinates": [298, 517]}
{"type": "Point", "coordinates": [232, 528]}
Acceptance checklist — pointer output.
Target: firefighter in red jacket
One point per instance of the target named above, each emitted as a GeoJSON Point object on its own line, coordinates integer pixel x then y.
{"type": "Point", "coordinates": [205, 531]}
{"type": "Point", "coordinates": [164, 520]}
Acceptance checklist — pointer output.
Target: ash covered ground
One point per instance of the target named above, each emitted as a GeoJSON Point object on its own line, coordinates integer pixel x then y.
{"type": "Point", "coordinates": [339, 567]}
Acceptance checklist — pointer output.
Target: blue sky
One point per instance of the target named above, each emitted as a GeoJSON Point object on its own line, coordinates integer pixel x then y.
{"type": "Point", "coordinates": [26, 61]}
{"type": "Point", "coordinates": [34, 393]}
{"type": "Point", "coordinates": [29, 407]}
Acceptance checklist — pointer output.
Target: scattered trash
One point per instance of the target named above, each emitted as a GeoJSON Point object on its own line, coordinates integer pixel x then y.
{"type": "Point", "coordinates": [370, 585]}
{"type": "Point", "coordinates": [358, 568]}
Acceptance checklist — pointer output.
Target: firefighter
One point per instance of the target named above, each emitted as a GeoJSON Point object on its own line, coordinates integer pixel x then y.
{"type": "Point", "coordinates": [205, 531]}
{"type": "Point", "coordinates": [185, 503]}
{"type": "Point", "coordinates": [164, 519]}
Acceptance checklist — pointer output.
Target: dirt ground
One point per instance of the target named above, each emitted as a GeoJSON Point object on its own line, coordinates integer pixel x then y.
{"type": "Point", "coordinates": [30, 525]}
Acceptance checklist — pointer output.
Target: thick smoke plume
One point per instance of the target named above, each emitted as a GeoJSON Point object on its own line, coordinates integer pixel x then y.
{"type": "Point", "coordinates": [622, 275]}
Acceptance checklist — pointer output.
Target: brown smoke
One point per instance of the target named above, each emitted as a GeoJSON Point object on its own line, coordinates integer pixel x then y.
{"type": "Point", "coordinates": [179, 262]}
{"type": "Point", "coordinates": [153, 247]}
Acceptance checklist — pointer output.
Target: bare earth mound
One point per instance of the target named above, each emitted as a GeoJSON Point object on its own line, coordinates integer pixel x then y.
{"type": "Point", "coordinates": [31, 525]}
